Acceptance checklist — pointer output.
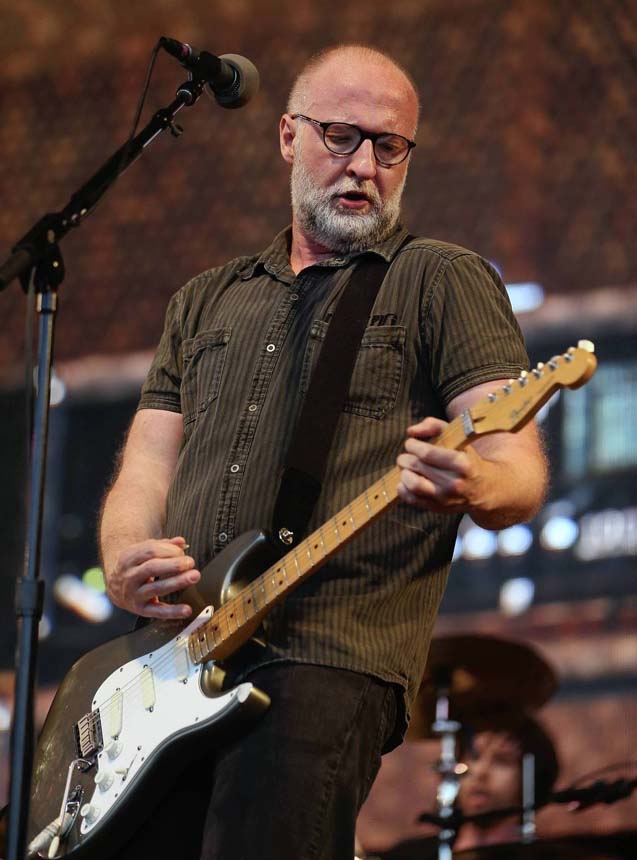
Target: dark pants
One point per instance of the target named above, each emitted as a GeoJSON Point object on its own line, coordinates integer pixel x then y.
{"type": "Point", "coordinates": [291, 787]}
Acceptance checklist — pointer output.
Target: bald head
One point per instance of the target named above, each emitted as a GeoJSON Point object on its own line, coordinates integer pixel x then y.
{"type": "Point", "coordinates": [356, 71]}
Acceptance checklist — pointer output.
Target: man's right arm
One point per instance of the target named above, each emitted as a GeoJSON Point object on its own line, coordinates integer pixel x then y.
{"type": "Point", "coordinates": [140, 566]}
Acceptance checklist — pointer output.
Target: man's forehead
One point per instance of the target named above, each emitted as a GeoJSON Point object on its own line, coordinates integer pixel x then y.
{"type": "Point", "coordinates": [497, 741]}
{"type": "Point", "coordinates": [349, 88]}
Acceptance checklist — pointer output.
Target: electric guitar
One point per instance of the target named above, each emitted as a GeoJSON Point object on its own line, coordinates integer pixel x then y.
{"type": "Point", "coordinates": [142, 703]}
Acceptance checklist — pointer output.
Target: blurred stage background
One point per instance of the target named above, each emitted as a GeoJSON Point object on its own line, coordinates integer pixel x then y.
{"type": "Point", "coordinates": [526, 154]}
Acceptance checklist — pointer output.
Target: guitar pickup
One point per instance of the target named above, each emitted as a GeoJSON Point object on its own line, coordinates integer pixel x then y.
{"type": "Point", "coordinates": [88, 735]}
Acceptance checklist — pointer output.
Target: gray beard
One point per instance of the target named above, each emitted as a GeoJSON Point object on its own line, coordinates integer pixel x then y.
{"type": "Point", "coordinates": [347, 232]}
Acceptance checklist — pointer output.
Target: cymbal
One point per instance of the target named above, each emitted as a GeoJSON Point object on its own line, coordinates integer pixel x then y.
{"type": "Point", "coordinates": [492, 682]}
{"type": "Point", "coordinates": [590, 846]}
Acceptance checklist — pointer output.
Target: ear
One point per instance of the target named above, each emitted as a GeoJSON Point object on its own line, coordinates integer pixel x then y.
{"type": "Point", "coordinates": [287, 134]}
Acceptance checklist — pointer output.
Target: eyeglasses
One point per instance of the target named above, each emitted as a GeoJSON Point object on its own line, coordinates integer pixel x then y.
{"type": "Point", "coordinates": [343, 138]}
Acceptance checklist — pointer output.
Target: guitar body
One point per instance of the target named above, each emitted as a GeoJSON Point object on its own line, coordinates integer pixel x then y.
{"type": "Point", "coordinates": [157, 709]}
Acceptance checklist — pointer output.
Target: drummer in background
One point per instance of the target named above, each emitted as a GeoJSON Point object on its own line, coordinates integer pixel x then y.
{"type": "Point", "coordinates": [494, 781]}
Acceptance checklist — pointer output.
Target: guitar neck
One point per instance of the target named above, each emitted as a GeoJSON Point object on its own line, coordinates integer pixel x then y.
{"type": "Point", "coordinates": [233, 623]}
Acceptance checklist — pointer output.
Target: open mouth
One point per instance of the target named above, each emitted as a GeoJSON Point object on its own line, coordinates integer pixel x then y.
{"type": "Point", "coordinates": [353, 199]}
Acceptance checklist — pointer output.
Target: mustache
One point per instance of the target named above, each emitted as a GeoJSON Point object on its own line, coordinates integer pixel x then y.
{"type": "Point", "coordinates": [365, 187]}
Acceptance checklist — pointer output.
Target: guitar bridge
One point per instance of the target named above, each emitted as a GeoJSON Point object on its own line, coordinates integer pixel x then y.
{"type": "Point", "coordinates": [88, 735]}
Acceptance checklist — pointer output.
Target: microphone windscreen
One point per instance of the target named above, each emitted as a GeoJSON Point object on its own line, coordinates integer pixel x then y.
{"type": "Point", "coordinates": [245, 86]}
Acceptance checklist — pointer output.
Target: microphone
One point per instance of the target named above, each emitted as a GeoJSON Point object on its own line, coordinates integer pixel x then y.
{"type": "Point", "coordinates": [231, 80]}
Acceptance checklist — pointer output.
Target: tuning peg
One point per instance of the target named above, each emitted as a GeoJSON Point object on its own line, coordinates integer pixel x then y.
{"type": "Point", "coordinates": [586, 345]}
{"type": "Point", "coordinates": [492, 397]}
{"type": "Point", "coordinates": [523, 378]}
{"type": "Point", "coordinates": [553, 362]}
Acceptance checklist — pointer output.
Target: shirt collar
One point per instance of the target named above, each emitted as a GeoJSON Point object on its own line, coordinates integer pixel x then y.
{"type": "Point", "coordinates": [276, 257]}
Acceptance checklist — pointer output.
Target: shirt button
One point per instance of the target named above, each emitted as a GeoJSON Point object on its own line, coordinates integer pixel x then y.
{"type": "Point", "coordinates": [270, 347]}
{"type": "Point", "coordinates": [252, 407]}
{"type": "Point", "coordinates": [223, 537]}
{"type": "Point", "coordinates": [294, 297]}
{"type": "Point", "coordinates": [234, 468]}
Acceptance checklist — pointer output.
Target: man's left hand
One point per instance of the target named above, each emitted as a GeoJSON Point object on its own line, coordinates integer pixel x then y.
{"type": "Point", "coordinates": [499, 479]}
{"type": "Point", "coordinates": [439, 479]}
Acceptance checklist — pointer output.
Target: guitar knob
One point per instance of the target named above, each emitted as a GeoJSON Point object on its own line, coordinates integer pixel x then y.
{"type": "Point", "coordinates": [114, 749]}
{"type": "Point", "coordinates": [104, 779]}
{"type": "Point", "coordinates": [90, 812]}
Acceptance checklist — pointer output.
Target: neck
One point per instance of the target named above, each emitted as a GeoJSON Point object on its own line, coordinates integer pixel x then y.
{"type": "Point", "coordinates": [306, 251]}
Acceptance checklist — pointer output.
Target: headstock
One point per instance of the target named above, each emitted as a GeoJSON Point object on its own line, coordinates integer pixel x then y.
{"type": "Point", "coordinates": [512, 405]}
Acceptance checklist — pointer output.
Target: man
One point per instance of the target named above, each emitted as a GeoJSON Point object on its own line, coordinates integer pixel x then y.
{"type": "Point", "coordinates": [494, 781]}
{"type": "Point", "coordinates": [344, 652]}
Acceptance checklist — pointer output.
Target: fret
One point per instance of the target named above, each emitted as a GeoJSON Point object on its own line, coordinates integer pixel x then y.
{"type": "Point", "coordinates": [296, 563]}
{"type": "Point", "coordinates": [196, 647]}
{"type": "Point", "coordinates": [201, 639]}
{"type": "Point", "coordinates": [313, 546]}
{"type": "Point", "coordinates": [351, 516]}
{"type": "Point", "coordinates": [285, 572]}
{"type": "Point", "coordinates": [336, 529]}
{"type": "Point", "coordinates": [239, 616]}
{"type": "Point", "coordinates": [215, 629]}
{"type": "Point", "coordinates": [281, 577]}
{"type": "Point", "coordinates": [367, 505]}
{"type": "Point", "coordinates": [320, 532]}
{"type": "Point", "coordinates": [249, 601]}
{"type": "Point", "coordinates": [224, 619]}
{"type": "Point", "coordinates": [343, 523]}
{"type": "Point", "coordinates": [231, 617]}
{"type": "Point", "coordinates": [263, 589]}
{"type": "Point", "coordinates": [204, 630]}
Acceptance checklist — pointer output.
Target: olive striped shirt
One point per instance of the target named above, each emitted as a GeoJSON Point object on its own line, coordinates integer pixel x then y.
{"type": "Point", "coordinates": [235, 358]}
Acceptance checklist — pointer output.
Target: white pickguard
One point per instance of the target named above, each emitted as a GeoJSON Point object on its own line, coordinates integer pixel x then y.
{"type": "Point", "coordinates": [141, 705]}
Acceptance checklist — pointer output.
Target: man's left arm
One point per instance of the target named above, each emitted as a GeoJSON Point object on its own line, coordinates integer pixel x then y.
{"type": "Point", "coordinates": [498, 480]}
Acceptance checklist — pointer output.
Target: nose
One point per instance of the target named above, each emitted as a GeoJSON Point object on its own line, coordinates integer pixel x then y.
{"type": "Point", "coordinates": [479, 770]}
{"type": "Point", "coordinates": [362, 163]}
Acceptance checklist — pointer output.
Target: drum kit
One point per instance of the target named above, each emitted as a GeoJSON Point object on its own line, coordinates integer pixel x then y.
{"type": "Point", "coordinates": [474, 684]}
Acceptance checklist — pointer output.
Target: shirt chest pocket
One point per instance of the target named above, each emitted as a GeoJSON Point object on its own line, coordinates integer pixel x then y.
{"type": "Point", "coordinates": [375, 381]}
{"type": "Point", "coordinates": [204, 358]}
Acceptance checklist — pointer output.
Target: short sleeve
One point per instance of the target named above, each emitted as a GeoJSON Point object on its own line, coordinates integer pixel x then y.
{"type": "Point", "coordinates": [470, 332]}
{"type": "Point", "coordinates": [161, 387]}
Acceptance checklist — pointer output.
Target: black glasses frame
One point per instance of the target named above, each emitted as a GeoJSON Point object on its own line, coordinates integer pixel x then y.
{"type": "Point", "coordinates": [364, 135]}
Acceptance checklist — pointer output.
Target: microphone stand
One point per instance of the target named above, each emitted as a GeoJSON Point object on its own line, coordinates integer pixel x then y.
{"type": "Point", "coordinates": [448, 766]}
{"type": "Point", "coordinates": [37, 261]}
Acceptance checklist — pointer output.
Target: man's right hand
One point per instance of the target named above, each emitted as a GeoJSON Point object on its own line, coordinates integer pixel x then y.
{"type": "Point", "coordinates": [147, 571]}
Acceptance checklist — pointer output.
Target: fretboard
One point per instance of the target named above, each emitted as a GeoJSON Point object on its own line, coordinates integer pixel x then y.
{"type": "Point", "coordinates": [255, 600]}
